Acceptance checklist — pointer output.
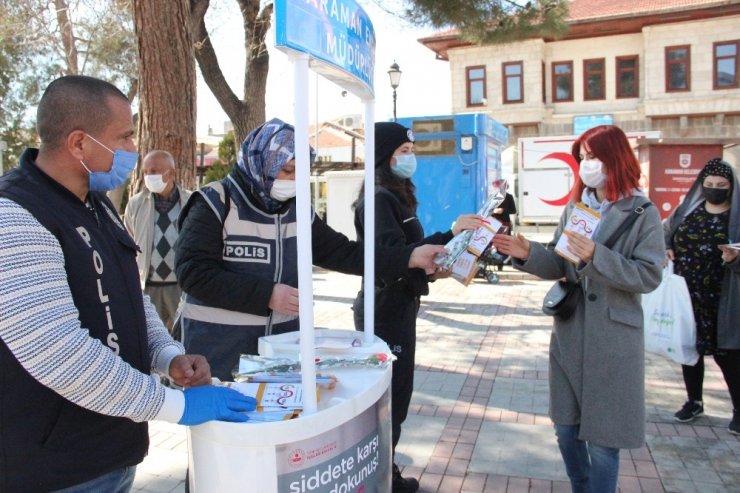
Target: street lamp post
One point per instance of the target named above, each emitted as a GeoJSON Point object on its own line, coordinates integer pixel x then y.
{"type": "Point", "coordinates": [395, 75]}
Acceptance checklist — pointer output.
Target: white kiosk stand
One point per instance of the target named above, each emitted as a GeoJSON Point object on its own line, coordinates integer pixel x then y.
{"type": "Point", "coordinates": [342, 443]}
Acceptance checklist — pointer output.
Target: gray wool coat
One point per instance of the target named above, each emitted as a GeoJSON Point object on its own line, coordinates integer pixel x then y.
{"type": "Point", "coordinates": [597, 359]}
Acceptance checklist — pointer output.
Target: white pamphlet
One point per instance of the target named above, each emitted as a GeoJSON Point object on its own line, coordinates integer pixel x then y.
{"type": "Point", "coordinates": [582, 220]}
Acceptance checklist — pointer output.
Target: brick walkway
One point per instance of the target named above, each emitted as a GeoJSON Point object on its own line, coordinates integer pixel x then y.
{"type": "Point", "coordinates": [478, 419]}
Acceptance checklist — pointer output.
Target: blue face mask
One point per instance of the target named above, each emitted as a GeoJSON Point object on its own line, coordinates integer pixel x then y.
{"type": "Point", "coordinates": [124, 163]}
{"type": "Point", "coordinates": [405, 166]}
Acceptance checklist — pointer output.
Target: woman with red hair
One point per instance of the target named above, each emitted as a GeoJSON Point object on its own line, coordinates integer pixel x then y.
{"type": "Point", "coordinates": [597, 362]}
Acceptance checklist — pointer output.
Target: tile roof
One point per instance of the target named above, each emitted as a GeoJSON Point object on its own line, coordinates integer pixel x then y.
{"type": "Point", "coordinates": [591, 10]}
{"type": "Point", "coordinates": [625, 16]}
{"type": "Point", "coordinates": [330, 137]}
{"type": "Point", "coordinates": [582, 10]}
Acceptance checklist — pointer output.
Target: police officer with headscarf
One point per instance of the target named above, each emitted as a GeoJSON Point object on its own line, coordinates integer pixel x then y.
{"type": "Point", "coordinates": [236, 256]}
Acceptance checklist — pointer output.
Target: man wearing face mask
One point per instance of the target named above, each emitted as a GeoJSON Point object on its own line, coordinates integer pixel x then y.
{"type": "Point", "coordinates": [151, 218]}
{"type": "Point", "coordinates": [78, 340]}
{"type": "Point", "coordinates": [237, 258]}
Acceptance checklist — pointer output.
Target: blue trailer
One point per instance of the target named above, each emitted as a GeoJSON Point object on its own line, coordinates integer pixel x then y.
{"type": "Point", "coordinates": [459, 158]}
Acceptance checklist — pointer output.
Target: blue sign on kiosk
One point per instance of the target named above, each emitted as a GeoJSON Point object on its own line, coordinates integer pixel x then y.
{"type": "Point", "coordinates": [337, 35]}
{"type": "Point", "coordinates": [342, 443]}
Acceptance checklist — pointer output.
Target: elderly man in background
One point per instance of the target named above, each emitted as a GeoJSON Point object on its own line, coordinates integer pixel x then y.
{"type": "Point", "coordinates": [151, 217]}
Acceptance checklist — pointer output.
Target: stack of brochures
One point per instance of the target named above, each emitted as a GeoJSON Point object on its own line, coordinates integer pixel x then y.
{"type": "Point", "coordinates": [279, 401]}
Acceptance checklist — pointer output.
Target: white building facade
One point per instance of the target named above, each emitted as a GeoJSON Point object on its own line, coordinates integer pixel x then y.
{"type": "Point", "coordinates": [667, 65]}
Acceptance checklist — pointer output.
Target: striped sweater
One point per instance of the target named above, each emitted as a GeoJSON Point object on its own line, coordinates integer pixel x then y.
{"type": "Point", "coordinates": [39, 323]}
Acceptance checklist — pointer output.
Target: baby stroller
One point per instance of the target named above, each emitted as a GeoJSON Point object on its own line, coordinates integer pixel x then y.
{"type": "Point", "coordinates": [489, 262]}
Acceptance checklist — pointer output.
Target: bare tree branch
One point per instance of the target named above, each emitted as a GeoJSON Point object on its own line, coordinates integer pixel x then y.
{"type": "Point", "coordinates": [68, 37]}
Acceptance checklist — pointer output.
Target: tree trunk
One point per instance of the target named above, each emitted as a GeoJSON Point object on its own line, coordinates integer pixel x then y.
{"type": "Point", "coordinates": [68, 37]}
{"type": "Point", "coordinates": [245, 114]}
{"type": "Point", "coordinates": [167, 94]}
{"type": "Point", "coordinates": [256, 25]}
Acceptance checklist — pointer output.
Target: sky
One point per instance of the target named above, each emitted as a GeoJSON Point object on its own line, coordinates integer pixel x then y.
{"type": "Point", "coordinates": [424, 88]}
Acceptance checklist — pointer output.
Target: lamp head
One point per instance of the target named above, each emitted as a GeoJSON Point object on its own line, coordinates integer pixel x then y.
{"type": "Point", "coordinates": [395, 75]}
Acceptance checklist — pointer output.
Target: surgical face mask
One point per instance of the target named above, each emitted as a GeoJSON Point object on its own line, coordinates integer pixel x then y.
{"type": "Point", "coordinates": [405, 165]}
{"type": "Point", "coordinates": [123, 164]}
{"type": "Point", "coordinates": [283, 190]}
{"type": "Point", "coordinates": [155, 183]}
{"type": "Point", "coordinates": [591, 174]}
{"type": "Point", "coordinates": [715, 196]}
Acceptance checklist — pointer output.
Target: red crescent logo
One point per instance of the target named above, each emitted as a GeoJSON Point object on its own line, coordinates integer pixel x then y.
{"type": "Point", "coordinates": [572, 164]}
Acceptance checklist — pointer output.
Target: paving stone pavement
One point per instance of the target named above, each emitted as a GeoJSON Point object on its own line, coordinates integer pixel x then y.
{"type": "Point", "coordinates": [478, 420]}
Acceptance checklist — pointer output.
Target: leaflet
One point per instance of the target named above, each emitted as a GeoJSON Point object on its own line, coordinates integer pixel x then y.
{"type": "Point", "coordinates": [582, 220]}
{"type": "Point", "coordinates": [459, 244]}
{"type": "Point", "coordinates": [483, 236]}
{"type": "Point", "coordinates": [465, 268]}
{"type": "Point", "coordinates": [275, 401]}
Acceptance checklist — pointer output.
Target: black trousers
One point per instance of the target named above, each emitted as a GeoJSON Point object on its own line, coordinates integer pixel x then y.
{"type": "Point", "coordinates": [728, 362]}
{"type": "Point", "coordinates": [395, 322]}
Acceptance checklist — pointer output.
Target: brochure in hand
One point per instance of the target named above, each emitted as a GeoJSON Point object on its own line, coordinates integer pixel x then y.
{"type": "Point", "coordinates": [460, 243]}
{"type": "Point", "coordinates": [582, 220]}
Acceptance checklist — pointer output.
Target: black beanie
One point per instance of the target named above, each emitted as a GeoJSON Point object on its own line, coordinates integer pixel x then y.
{"type": "Point", "coordinates": [389, 136]}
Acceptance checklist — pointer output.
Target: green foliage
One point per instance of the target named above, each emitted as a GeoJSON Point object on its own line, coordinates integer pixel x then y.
{"type": "Point", "coordinates": [227, 148]}
{"type": "Point", "coordinates": [16, 92]}
{"type": "Point", "coordinates": [217, 171]}
{"type": "Point", "coordinates": [112, 47]}
{"type": "Point", "coordinates": [32, 55]}
{"type": "Point", "coordinates": [492, 21]}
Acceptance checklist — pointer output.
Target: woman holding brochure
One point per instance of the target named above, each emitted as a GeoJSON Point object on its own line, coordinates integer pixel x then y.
{"type": "Point", "coordinates": [397, 297]}
{"type": "Point", "coordinates": [697, 234]}
{"type": "Point", "coordinates": [597, 361]}
{"type": "Point", "coordinates": [237, 253]}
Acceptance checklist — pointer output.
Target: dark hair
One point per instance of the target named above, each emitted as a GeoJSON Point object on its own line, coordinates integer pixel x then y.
{"type": "Point", "coordinates": [609, 144]}
{"type": "Point", "coordinates": [74, 102]}
{"type": "Point", "coordinates": [403, 188]}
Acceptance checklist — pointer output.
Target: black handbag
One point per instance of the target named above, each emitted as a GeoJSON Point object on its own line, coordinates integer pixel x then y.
{"type": "Point", "coordinates": [564, 296]}
{"type": "Point", "coordinates": [562, 299]}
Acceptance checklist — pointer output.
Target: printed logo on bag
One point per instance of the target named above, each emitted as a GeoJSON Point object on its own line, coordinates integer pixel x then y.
{"type": "Point", "coordinates": [663, 322]}
{"type": "Point", "coordinates": [247, 251]}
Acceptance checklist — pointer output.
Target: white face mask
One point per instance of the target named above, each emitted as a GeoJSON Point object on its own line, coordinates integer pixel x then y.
{"type": "Point", "coordinates": [591, 173]}
{"type": "Point", "coordinates": [155, 183]}
{"type": "Point", "coordinates": [283, 190]}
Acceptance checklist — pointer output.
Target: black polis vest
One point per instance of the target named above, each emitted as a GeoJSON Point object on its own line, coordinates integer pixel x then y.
{"type": "Point", "coordinates": [46, 441]}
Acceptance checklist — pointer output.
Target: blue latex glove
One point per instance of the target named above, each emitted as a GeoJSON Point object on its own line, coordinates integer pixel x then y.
{"type": "Point", "coordinates": [209, 402]}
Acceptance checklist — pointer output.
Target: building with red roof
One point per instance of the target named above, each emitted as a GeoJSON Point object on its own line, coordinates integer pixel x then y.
{"type": "Point", "coordinates": [666, 65]}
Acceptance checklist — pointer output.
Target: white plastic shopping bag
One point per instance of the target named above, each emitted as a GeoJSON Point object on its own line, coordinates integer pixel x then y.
{"type": "Point", "coordinates": [670, 329]}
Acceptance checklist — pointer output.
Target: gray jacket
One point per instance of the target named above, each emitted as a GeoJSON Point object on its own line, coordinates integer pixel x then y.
{"type": "Point", "coordinates": [139, 220]}
{"type": "Point", "coordinates": [728, 330]}
{"type": "Point", "coordinates": [597, 359]}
